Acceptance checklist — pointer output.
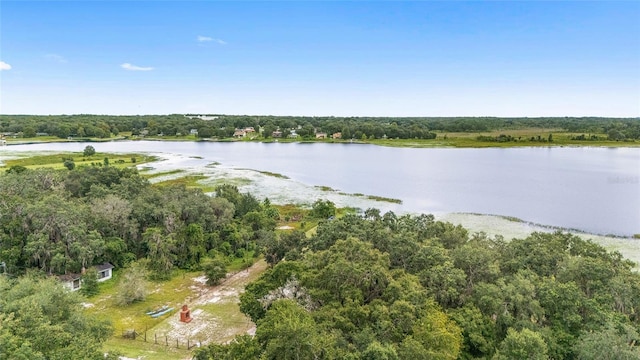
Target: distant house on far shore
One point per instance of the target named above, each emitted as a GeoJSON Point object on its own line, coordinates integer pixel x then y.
{"type": "Point", "coordinates": [73, 282]}
{"type": "Point", "coordinates": [321, 135]}
{"type": "Point", "coordinates": [337, 135]}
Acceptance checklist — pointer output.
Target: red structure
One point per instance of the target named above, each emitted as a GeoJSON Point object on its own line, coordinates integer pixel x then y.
{"type": "Point", "coordinates": [185, 314]}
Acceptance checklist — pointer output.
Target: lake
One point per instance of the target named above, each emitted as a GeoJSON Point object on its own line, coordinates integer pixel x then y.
{"type": "Point", "coordinates": [596, 190]}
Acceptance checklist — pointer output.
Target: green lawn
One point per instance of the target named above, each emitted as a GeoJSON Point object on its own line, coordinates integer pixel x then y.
{"type": "Point", "coordinates": [172, 293]}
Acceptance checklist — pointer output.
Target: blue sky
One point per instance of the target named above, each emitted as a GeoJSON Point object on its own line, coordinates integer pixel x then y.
{"type": "Point", "coordinates": [353, 58]}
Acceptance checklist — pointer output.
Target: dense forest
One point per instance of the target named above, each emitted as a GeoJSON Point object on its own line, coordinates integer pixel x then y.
{"type": "Point", "coordinates": [409, 287]}
{"type": "Point", "coordinates": [363, 286]}
{"type": "Point", "coordinates": [223, 126]}
{"type": "Point", "coordinates": [64, 221]}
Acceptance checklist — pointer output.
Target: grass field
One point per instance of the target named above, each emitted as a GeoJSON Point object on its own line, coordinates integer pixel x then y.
{"type": "Point", "coordinates": [145, 350]}
{"type": "Point", "coordinates": [56, 161]}
{"type": "Point", "coordinates": [171, 293]}
{"type": "Point", "coordinates": [523, 137]}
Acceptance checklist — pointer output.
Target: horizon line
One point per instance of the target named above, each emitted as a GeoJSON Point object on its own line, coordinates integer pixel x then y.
{"type": "Point", "coordinates": [342, 116]}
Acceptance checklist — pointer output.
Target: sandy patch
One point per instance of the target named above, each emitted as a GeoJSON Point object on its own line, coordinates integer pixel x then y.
{"type": "Point", "coordinates": [213, 300]}
{"type": "Point", "coordinates": [252, 330]}
{"type": "Point", "coordinates": [202, 280]}
{"type": "Point", "coordinates": [201, 324]}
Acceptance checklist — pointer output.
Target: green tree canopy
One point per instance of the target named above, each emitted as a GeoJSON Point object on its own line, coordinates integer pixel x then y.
{"type": "Point", "coordinates": [39, 319]}
{"type": "Point", "coordinates": [89, 151]}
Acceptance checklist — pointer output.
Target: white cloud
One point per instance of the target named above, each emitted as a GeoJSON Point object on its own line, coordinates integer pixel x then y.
{"type": "Point", "coordinates": [131, 67]}
{"type": "Point", "coordinates": [56, 58]}
{"type": "Point", "coordinates": [210, 39]}
{"type": "Point", "coordinates": [4, 66]}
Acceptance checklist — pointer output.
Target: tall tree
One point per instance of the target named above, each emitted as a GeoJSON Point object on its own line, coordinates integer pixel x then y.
{"type": "Point", "coordinates": [288, 332]}
{"type": "Point", "coordinates": [161, 252]}
{"type": "Point", "coordinates": [525, 344]}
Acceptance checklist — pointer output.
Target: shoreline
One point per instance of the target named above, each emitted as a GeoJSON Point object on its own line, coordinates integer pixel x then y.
{"type": "Point", "coordinates": [266, 185]}
{"type": "Point", "coordinates": [550, 227]}
{"type": "Point", "coordinates": [398, 143]}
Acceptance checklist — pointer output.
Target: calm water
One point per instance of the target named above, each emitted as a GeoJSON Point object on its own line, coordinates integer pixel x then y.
{"type": "Point", "coordinates": [591, 189]}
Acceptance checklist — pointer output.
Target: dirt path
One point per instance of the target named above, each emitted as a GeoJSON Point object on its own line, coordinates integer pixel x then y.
{"type": "Point", "coordinates": [215, 310]}
{"type": "Point", "coordinates": [232, 286]}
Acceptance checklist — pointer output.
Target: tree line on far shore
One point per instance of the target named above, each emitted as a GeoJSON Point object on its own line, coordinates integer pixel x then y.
{"type": "Point", "coordinates": [224, 126]}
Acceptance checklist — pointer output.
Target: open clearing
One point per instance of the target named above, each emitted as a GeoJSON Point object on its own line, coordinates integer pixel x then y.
{"type": "Point", "coordinates": [215, 312]}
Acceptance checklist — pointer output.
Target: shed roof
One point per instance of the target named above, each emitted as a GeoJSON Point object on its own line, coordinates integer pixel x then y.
{"type": "Point", "coordinates": [104, 266]}
{"type": "Point", "coordinates": [69, 277]}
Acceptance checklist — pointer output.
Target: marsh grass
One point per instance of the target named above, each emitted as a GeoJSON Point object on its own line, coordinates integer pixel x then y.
{"type": "Point", "coordinates": [163, 173]}
{"type": "Point", "coordinates": [272, 174]}
{"type": "Point", "coordinates": [326, 188]}
{"type": "Point", "coordinates": [189, 181]}
{"type": "Point", "coordinates": [377, 198]}
{"type": "Point", "coordinates": [385, 199]}
{"type": "Point", "coordinates": [237, 181]}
